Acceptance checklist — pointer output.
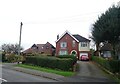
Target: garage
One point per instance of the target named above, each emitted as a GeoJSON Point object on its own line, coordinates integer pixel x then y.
{"type": "Point", "coordinates": [83, 54]}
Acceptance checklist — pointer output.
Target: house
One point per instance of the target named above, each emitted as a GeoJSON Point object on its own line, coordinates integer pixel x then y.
{"type": "Point", "coordinates": [105, 50]}
{"type": "Point", "coordinates": [72, 44]}
{"type": "Point", "coordinates": [47, 49]}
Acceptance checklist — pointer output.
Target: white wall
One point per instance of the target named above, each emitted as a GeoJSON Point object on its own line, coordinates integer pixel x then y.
{"type": "Point", "coordinates": [84, 48]}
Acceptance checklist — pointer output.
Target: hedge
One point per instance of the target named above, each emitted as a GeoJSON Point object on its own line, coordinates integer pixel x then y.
{"type": "Point", "coordinates": [111, 65]}
{"type": "Point", "coordinates": [69, 56]}
{"type": "Point", "coordinates": [65, 64]}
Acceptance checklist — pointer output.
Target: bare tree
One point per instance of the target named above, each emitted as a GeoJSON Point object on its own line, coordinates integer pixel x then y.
{"type": "Point", "coordinates": [11, 48]}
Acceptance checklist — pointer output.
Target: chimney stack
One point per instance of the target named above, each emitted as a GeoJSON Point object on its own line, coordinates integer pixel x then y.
{"type": "Point", "coordinates": [57, 36]}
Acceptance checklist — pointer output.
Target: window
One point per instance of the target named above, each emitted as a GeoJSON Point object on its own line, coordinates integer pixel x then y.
{"type": "Point", "coordinates": [83, 44]}
{"type": "Point", "coordinates": [63, 44]}
{"type": "Point", "coordinates": [107, 54]}
{"type": "Point", "coordinates": [34, 48]}
{"type": "Point", "coordinates": [63, 52]}
{"type": "Point", "coordinates": [73, 43]}
{"type": "Point", "coordinates": [47, 47]}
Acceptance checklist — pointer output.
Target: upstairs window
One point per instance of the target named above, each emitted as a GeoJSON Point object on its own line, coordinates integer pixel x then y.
{"type": "Point", "coordinates": [73, 43]}
{"type": "Point", "coordinates": [83, 44]}
{"type": "Point", "coordinates": [47, 47]}
{"type": "Point", "coordinates": [63, 44]}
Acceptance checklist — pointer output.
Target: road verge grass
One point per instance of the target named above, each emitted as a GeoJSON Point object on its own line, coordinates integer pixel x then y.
{"type": "Point", "coordinates": [59, 72]}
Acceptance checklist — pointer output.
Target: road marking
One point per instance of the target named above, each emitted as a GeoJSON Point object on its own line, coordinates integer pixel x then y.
{"type": "Point", "coordinates": [3, 79]}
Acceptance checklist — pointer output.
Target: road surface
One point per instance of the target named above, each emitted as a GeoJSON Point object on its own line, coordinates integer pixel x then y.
{"type": "Point", "coordinates": [88, 72]}
{"type": "Point", "coordinates": [9, 75]}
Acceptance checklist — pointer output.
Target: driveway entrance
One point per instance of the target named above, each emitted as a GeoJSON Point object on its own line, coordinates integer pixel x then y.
{"type": "Point", "coordinates": [88, 72]}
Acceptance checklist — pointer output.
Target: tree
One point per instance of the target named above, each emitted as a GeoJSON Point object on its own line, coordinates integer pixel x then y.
{"type": "Point", "coordinates": [11, 48]}
{"type": "Point", "coordinates": [107, 28]}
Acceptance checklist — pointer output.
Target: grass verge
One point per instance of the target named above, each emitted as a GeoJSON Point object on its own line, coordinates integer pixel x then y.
{"type": "Point", "coordinates": [59, 72]}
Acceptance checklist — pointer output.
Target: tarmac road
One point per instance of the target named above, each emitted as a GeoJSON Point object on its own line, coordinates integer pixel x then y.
{"type": "Point", "coordinates": [88, 72]}
{"type": "Point", "coordinates": [9, 75]}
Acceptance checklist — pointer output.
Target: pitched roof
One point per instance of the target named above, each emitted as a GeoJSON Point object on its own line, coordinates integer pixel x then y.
{"type": "Point", "coordinates": [77, 37]}
{"type": "Point", "coordinates": [29, 50]}
{"type": "Point", "coordinates": [40, 45]}
{"type": "Point", "coordinates": [66, 32]}
{"type": "Point", "coordinates": [81, 38]}
{"type": "Point", "coordinates": [50, 45]}
{"type": "Point", "coordinates": [39, 48]}
{"type": "Point", "coordinates": [106, 47]}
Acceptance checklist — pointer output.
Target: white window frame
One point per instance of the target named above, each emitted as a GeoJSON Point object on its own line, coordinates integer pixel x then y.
{"type": "Point", "coordinates": [73, 43]}
{"type": "Point", "coordinates": [63, 44]}
{"type": "Point", "coordinates": [63, 52]}
{"type": "Point", "coordinates": [84, 44]}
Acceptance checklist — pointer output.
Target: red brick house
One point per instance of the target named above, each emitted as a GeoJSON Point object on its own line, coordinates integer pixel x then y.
{"type": "Point", "coordinates": [72, 44]}
{"type": "Point", "coordinates": [47, 49]}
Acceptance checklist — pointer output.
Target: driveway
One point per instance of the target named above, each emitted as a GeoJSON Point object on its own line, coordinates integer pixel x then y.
{"type": "Point", "coordinates": [88, 72]}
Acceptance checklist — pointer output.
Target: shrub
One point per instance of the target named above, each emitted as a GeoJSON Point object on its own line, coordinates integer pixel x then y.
{"type": "Point", "coordinates": [32, 54]}
{"type": "Point", "coordinates": [19, 58]}
{"type": "Point", "coordinates": [14, 58]}
{"type": "Point", "coordinates": [65, 64]}
{"type": "Point", "coordinates": [74, 58]}
{"type": "Point", "coordinates": [3, 57]}
{"type": "Point", "coordinates": [111, 65]}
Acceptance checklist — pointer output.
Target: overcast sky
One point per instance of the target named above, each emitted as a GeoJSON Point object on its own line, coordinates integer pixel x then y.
{"type": "Point", "coordinates": [43, 20]}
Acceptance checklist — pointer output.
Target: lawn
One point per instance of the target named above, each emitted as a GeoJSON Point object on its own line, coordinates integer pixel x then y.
{"type": "Point", "coordinates": [59, 72]}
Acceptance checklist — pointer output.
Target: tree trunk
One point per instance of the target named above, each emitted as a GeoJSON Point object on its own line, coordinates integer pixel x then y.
{"type": "Point", "coordinates": [97, 49]}
{"type": "Point", "coordinates": [114, 51]}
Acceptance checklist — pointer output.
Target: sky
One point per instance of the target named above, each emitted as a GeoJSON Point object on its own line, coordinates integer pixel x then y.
{"type": "Point", "coordinates": [43, 20]}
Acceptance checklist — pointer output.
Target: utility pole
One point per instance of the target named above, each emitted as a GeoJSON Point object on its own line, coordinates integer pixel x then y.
{"type": "Point", "coordinates": [20, 38]}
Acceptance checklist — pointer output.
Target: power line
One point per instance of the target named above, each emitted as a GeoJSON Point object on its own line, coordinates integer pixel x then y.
{"type": "Point", "coordinates": [68, 19]}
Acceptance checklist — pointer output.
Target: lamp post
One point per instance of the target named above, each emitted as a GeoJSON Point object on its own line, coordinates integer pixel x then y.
{"type": "Point", "coordinates": [20, 38]}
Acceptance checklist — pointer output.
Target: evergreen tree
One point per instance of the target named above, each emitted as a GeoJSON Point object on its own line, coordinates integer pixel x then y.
{"type": "Point", "coordinates": [107, 28]}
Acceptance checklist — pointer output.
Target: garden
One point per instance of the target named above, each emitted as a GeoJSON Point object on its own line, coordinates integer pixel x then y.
{"type": "Point", "coordinates": [65, 63]}
{"type": "Point", "coordinates": [62, 65]}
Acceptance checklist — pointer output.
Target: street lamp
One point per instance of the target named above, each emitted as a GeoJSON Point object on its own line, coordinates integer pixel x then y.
{"type": "Point", "coordinates": [20, 38]}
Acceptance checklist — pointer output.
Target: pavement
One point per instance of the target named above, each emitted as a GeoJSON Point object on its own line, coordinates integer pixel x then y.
{"type": "Point", "coordinates": [39, 73]}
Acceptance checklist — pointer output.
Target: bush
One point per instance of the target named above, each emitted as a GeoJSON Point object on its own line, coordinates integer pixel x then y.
{"type": "Point", "coordinates": [111, 65]}
{"type": "Point", "coordinates": [65, 64]}
{"type": "Point", "coordinates": [32, 54]}
{"type": "Point", "coordinates": [3, 57]}
{"type": "Point", "coordinates": [74, 58]}
{"type": "Point", "coordinates": [14, 58]}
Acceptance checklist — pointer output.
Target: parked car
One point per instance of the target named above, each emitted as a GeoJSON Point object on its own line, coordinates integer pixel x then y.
{"type": "Point", "coordinates": [84, 57]}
